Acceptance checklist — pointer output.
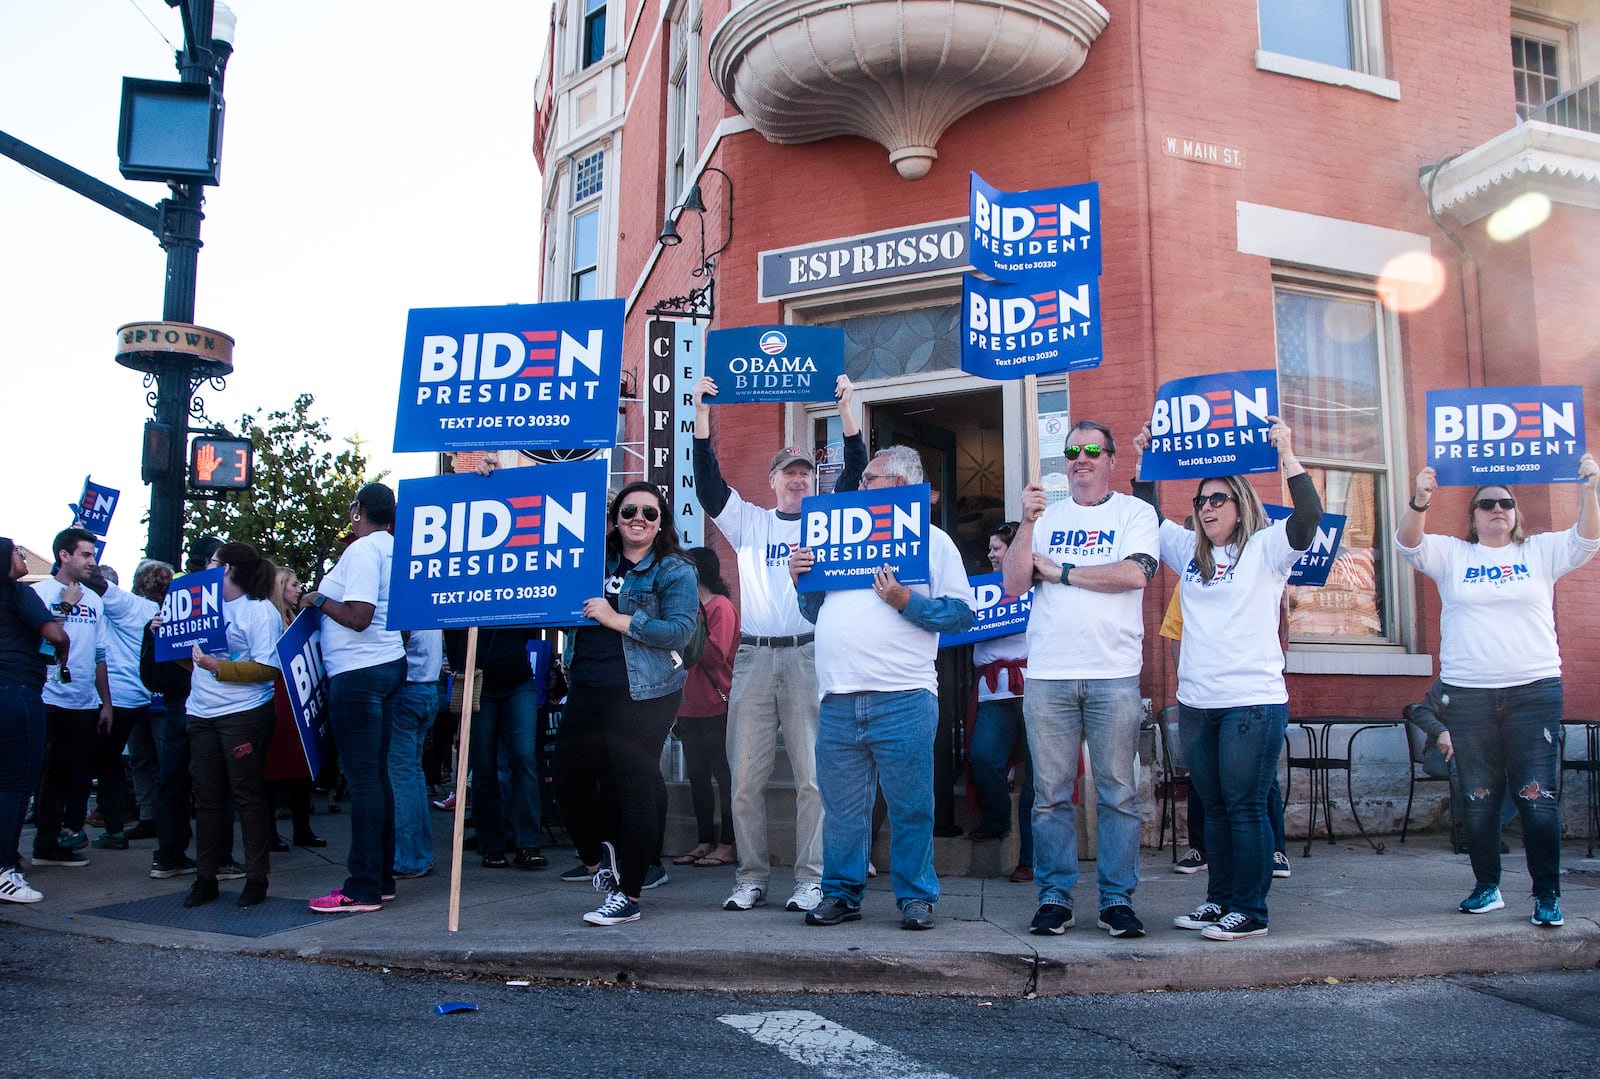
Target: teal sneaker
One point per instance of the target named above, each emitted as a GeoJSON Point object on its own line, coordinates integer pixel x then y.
{"type": "Point", "coordinates": [1484, 898]}
{"type": "Point", "coordinates": [1547, 911]}
{"type": "Point", "coordinates": [67, 839]}
{"type": "Point", "coordinates": [111, 841]}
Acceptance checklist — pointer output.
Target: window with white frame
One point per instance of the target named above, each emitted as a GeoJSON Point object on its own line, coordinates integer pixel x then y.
{"type": "Point", "coordinates": [683, 97]}
{"type": "Point", "coordinates": [1333, 348]}
{"type": "Point", "coordinates": [1539, 52]}
{"type": "Point", "coordinates": [1338, 33]}
{"type": "Point", "coordinates": [592, 44]}
{"type": "Point", "coordinates": [588, 181]}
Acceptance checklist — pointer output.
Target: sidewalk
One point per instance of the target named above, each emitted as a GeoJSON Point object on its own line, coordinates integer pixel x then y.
{"type": "Point", "coordinates": [1347, 912]}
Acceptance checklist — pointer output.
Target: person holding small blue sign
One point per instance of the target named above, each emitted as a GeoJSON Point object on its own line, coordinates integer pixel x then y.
{"type": "Point", "coordinates": [26, 628]}
{"type": "Point", "coordinates": [879, 712]}
{"type": "Point", "coordinates": [1500, 665]}
{"type": "Point", "coordinates": [998, 731]}
{"type": "Point", "coordinates": [1233, 704]}
{"type": "Point", "coordinates": [230, 725]}
{"type": "Point", "coordinates": [625, 675]}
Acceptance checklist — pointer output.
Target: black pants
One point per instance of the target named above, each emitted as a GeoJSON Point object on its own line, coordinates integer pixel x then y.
{"type": "Point", "coordinates": [705, 757]}
{"type": "Point", "coordinates": [68, 764]}
{"type": "Point", "coordinates": [113, 778]}
{"type": "Point", "coordinates": [230, 752]}
{"type": "Point", "coordinates": [608, 767]}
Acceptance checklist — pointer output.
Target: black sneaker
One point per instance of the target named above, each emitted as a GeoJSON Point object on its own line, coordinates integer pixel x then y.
{"type": "Point", "coordinates": [201, 892]}
{"type": "Point", "coordinates": [1052, 918]}
{"type": "Point", "coordinates": [1120, 921]}
{"type": "Point", "coordinates": [831, 911]}
{"type": "Point", "coordinates": [578, 874]}
{"type": "Point", "coordinates": [58, 856]}
{"type": "Point", "coordinates": [1234, 926]}
{"type": "Point", "coordinates": [655, 876]}
{"type": "Point", "coordinates": [162, 868]}
{"type": "Point", "coordinates": [230, 871]}
{"type": "Point", "coordinates": [1193, 862]}
{"type": "Point", "coordinates": [1200, 917]}
{"type": "Point", "coordinates": [255, 891]}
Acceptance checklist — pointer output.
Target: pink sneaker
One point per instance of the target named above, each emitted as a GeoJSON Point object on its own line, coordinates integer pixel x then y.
{"type": "Point", "coordinates": [336, 902]}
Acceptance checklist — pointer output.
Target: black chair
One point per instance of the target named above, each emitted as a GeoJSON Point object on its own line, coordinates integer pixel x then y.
{"type": "Point", "coordinates": [1170, 773]}
{"type": "Point", "coordinates": [1587, 765]}
{"type": "Point", "coordinates": [1418, 739]}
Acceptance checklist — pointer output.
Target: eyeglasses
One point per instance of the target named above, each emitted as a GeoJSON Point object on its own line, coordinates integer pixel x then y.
{"type": "Point", "coordinates": [1216, 500]}
{"type": "Point", "coordinates": [632, 510]}
{"type": "Point", "coordinates": [1487, 504]}
{"type": "Point", "coordinates": [1093, 449]}
{"type": "Point", "coordinates": [875, 477]}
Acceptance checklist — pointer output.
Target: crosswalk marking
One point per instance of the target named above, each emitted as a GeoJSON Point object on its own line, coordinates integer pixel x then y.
{"type": "Point", "coordinates": [810, 1040]}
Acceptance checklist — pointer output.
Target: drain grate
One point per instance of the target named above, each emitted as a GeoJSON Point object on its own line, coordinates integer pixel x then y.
{"type": "Point", "coordinates": [276, 915]}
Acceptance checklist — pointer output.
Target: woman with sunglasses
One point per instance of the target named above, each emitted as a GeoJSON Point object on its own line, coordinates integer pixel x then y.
{"type": "Point", "coordinates": [998, 734]}
{"type": "Point", "coordinates": [1233, 705]}
{"type": "Point", "coordinates": [1501, 669]}
{"type": "Point", "coordinates": [625, 675]}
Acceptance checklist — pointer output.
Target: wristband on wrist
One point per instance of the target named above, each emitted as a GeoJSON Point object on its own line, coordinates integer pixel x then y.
{"type": "Point", "coordinates": [1066, 571]}
{"type": "Point", "coordinates": [1420, 509]}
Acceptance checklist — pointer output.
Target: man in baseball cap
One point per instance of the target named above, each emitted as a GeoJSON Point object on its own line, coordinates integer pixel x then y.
{"type": "Point", "coordinates": [774, 675]}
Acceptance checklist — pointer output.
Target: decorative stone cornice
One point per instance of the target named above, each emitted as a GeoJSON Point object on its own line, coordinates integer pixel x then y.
{"type": "Point", "coordinates": [898, 72]}
{"type": "Point", "coordinates": [1560, 162]}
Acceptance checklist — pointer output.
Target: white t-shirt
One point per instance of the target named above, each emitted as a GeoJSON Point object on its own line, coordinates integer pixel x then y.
{"type": "Point", "coordinates": [866, 646]}
{"type": "Point", "coordinates": [90, 641]}
{"type": "Point", "coordinates": [254, 626]}
{"type": "Point", "coordinates": [1072, 632]}
{"type": "Point", "coordinates": [1014, 647]}
{"type": "Point", "coordinates": [1231, 654]}
{"type": "Point", "coordinates": [1497, 627]}
{"type": "Point", "coordinates": [424, 655]}
{"type": "Point", "coordinates": [362, 576]}
{"type": "Point", "coordinates": [126, 616]}
{"type": "Point", "coordinates": [767, 605]}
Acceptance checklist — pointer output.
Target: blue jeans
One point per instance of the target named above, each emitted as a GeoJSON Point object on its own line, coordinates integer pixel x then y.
{"type": "Point", "coordinates": [1233, 763]}
{"type": "Point", "coordinates": [1197, 820]}
{"type": "Point", "coordinates": [414, 709]}
{"type": "Point", "coordinates": [1510, 740]}
{"type": "Point", "coordinates": [1061, 715]}
{"type": "Point", "coordinates": [361, 706]}
{"type": "Point", "coordinates": [505, 731]}
{"type": "Point", "coordinates": [21, 762]}
{"type": "Point", "coordinates": [998, 728]}
{"type": "Point", "coordinates": [864, 740]}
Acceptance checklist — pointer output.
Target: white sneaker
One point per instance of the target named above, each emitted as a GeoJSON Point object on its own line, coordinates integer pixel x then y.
{"type": "Point", "coordinates": [805, 897]}
{"type": "Point", "coordinates": [747, 895]}
{"type": "Point", "coordinates": [14, 889]}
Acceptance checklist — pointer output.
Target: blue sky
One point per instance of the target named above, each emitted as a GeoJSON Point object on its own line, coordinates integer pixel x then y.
{"type": "Point", "coordinates": [377, 157]}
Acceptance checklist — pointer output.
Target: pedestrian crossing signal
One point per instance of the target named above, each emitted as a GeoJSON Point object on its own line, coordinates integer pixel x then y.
{"type": "Point", "coordinates": [221, 464]}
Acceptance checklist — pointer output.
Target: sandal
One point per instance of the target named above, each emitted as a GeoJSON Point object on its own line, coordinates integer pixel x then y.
{"type": "Point", "coordinates": [531, 858]}
{"type": "Point", "coordinates": [495, 860]}
{"type": "Point", "coordinates": [695, 855]}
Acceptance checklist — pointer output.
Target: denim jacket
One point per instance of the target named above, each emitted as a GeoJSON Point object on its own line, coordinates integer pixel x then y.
{"type": "Point", "coordinates": [663, 598]}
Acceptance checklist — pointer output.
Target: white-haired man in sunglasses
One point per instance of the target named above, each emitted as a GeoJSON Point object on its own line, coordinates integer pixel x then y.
{"type": "Point", "coordinates": [1087, 558]}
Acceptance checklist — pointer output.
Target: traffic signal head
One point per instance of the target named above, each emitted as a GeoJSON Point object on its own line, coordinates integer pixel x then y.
{"type": "Point", "coordinates": [221, 464]}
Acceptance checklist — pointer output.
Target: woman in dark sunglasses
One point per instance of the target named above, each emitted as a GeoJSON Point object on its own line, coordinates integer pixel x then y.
{"type": "Point", "coordinates": [1500, 669]}
{"type": "Point", "coordinates": [626, 676]}
{"type": "Point", "coordinates": [1233, 705]}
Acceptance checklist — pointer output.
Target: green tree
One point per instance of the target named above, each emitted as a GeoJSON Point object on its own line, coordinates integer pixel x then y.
{"type": "Point", "coordinates": [299, 503]}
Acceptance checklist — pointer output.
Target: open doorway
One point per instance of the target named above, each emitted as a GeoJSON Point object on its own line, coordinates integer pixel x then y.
{"type": "Point", "coordinates": [962, 444]}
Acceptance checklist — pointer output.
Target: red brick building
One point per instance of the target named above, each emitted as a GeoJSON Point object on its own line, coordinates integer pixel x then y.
{"type": "Point", "coordinates": [1310, 186]}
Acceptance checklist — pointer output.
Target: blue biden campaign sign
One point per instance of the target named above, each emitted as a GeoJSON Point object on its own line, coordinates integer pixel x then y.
{"type": "Point", "coordinates": [997, 614]}
{"type": "Point", "coordinates": [192, 615]}
{"type": "Point", "coordinates": [1506, 434]}
{"type": "Point", "coordinates": [1313, 567]}
{"type": "Point", "coordinates": [855, 534]}
{"type": "Point", "coordinates": [521, 376]}
{"type": "Point", "coordinates": [523, 546]}
{"type": "Point", "coordinates": [306, 679]}
{"type": "Point", "coordinates": [1212, 425]}
{"type": "Point", "coordinates": [1023, 234]}
{"type": "Point", "coordinates": [1036, 328]}
{"type": "Point", "coordinates": [774, 363]}
{"type": "Point", "coordinates": [95, 506]}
